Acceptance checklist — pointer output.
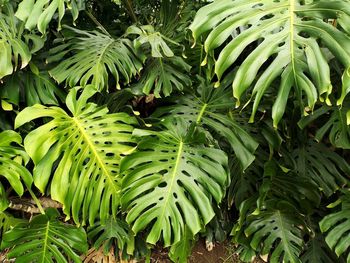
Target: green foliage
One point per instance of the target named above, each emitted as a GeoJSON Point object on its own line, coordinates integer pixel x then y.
{"type": "Point", "coordinates": [39, 13]}
{"type": "Point", "coordinates": [114, 232]}
{"type": "Point", "coordinates": [336, 124]}
{"type": "Point", "coordinates": [11, 169]}
{"type": "Point", "coordinates": [45, 239]}
{"type": "Point", "coordinates": [323, 166]}
{"type": "Point", "coordinates": [211, 108]}
{"type": "Point", "coordinates": [279, 232]}
{"type": "Point", "coordinates": [164, 72]}
{"type": "Point", "coordinates": [31, 87]}
{"type": "Point", "coordinates": [153, 149]}
{"type": "Point", "coordinates": [337, 226]}
{"type": "Point", "coordinates": [287, 33]}
{"type": "Point", "coordinates": [86, 148]}
{"type": "Point", "coordinates": [95, 56]}
{"type": "Point", "coordinates": [171, 182]}
{"type": "Point", "coordinates": [16, 46]}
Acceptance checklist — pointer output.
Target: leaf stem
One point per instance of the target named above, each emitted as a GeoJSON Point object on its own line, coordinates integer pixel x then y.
{"type": "Point", "coordinates": [36, 200]}
{"type": "Point", "coordinates": [99, 25]}
{"type": "Point", "coordinates": [130, 9]}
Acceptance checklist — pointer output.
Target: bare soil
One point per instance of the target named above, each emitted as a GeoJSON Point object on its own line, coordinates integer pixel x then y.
{"type": "Point", "coordinates": [221, 253]}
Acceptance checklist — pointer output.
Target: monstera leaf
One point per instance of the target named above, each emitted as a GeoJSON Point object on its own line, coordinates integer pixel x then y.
{"type": "Point", "coordinates": [164, 71]}
{"type": "Point", "coordinates": [45, 239]}
{"type": "Point", "coordinates": [324, 167]}
{"type": "Point", "coordinates": [212, 109]}
{"type": "Point", "coordinates": [7, 221]}
{"type": "Point", "coordinates": [82, 151]}
{"type": "Point", "coordinates": [337, 226]}
{"type": "Point", "coordinates": [39, 13]}
{"type": "Point", "coordinates": [337, 125]}
{"type": "Point", "coordinates": [156, 41]}
{"type": "Point", "coordinates": [11, 159]}
{"type": "Point", "coordinates": [16, 47]}
{"type": "Point", "coordinates": [278, 232]}
{"type": "Point", "coordinates": [287, 38]}
{"type": "Point", "coordinates": [172, 182]}
{"type": "Point", "coordinates": [181, 251]}
{"type": "Point", "coordinates": [297, 190]}
{"type": "Point", "coordinates": [162, 76]}
{"type": "Point", "coordinates": [317, 251]}
{"type": "Point", "coordinates": [31, 87]}
{"type": "Point", "coordinates": [114, 232]}
{"type": "Point", "coordinates": [95, 55]}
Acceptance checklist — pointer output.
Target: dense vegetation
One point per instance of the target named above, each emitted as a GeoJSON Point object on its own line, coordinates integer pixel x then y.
{"type": "Point", "coordinates": [134, 123]}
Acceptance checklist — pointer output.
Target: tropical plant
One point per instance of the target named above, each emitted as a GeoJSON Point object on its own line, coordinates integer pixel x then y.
{"type": "Point", "coordinates": [134, 141]}
{"type": "Point", "coordinates": [287, 34]}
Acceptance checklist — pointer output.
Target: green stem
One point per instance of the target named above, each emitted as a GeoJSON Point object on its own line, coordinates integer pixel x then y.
{"type": "Point", "coordinates": [130, 9]}
{"type": "Point", "coordinates": [37, 202]}
{"type": "Point", "coordinates": [91, 16]}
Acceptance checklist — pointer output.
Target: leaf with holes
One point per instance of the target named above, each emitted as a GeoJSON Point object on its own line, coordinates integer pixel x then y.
{"type": "Point", "coordinates": [39, 13]}
{"type": "Point", "coordinates": [11, 169]}
{"type": "Point", "coordinates": [279, 232]}
{"type": "Point", "coordinates": [82, 151]}
{"type": "Point", "coordinates": [91, 57]}
{"type": "Point", "coordinates": [172, 182]}
{"type": "Point", "coordinates": [212, 109]}
{"type": "Point", "coordinates": [45, 239]}
{"type": "Point", "coordinates": [287, 37]}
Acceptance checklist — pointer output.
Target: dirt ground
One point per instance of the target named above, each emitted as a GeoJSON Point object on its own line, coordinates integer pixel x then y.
{"type": "Point", "coordinates": [221, 253]}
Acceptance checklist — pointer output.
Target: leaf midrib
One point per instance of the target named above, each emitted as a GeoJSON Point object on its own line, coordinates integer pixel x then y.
{"type": "Point", "coordinates": [284, 237]}
{"type": "Point", "coordinates": [45, 241]}
{"type": "Point", "coordinates": [95, 153]}
{"type": "Point", "coordinates": [173, 176]}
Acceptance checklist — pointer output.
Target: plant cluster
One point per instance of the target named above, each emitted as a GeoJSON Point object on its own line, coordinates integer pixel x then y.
{"type": "Point", "coordinates": [126, 124]}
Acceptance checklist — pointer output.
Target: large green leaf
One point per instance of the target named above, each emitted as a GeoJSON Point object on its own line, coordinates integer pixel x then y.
{"type": "Point", "coordinates": [171, 183]}
{"type": "Point", "coordinates": [11, 169]}
{"type": "Point", "coordinates": [45, 239]}
{"type": "Point", "coordinates": [39, 13]}
{"type": "Point", "coordinates": [16, 46]}
{"type": "Point", "coordinates": [212, 109]}
{"type": "Point", "coordinates": [337, 226]}
{"type": "Point", "coordinates": [91, 57]}
{"type": "Point", "coordinates": [287, 37]}
{"type": "Point", "coordinates": [278, 232]}
{"type": "Point", "coordinates": [82, 151]}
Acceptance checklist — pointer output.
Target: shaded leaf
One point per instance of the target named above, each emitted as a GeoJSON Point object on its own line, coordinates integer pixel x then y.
{"type": "Point", "coordinates": [46, 240]}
